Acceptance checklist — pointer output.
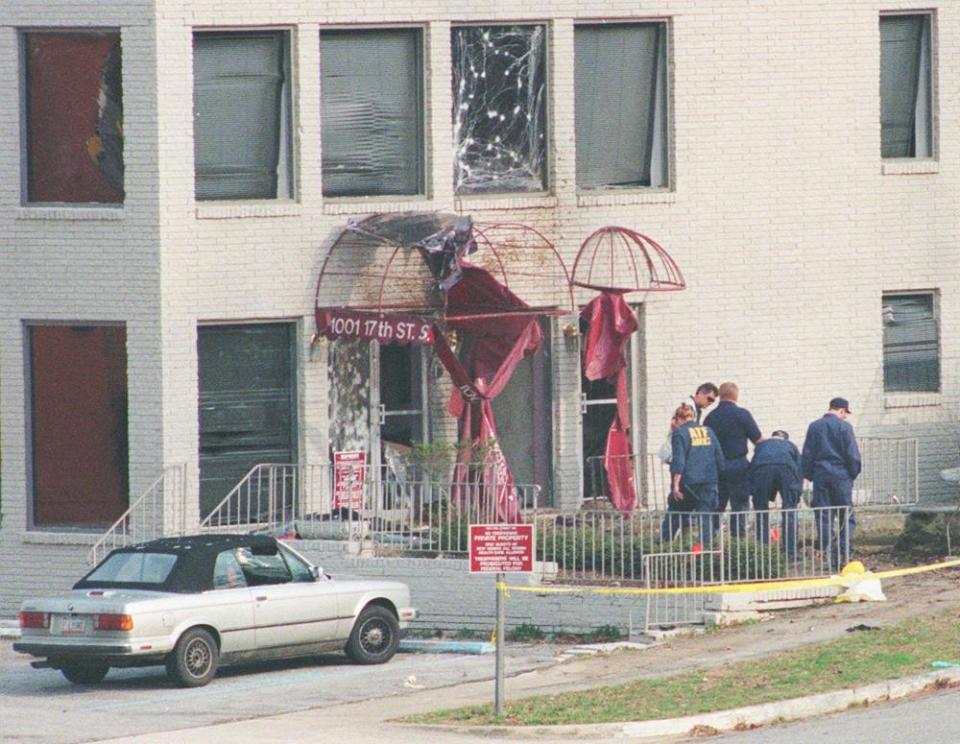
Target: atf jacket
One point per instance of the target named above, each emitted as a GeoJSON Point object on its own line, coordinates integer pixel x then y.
{"type": "Point", "coordinates": [734, 426]}
{"type": "Point", "coordinates": [830, 450]}
{"type": "Point", "coordinates": [696, 454]}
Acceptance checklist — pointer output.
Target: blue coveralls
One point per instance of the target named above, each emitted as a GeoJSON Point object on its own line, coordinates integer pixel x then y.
{"type": "Point", "coordinates": [698, 459]}
{"type": "Point", "coordinates": [734, 426]}
{"type": "Point", "coordinates": [831, 461]}
{"type": "Point", "coordinates": [776, 468]}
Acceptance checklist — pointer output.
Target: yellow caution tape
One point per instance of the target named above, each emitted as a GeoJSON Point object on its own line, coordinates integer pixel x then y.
{"type": "Point", "coordinates": [780, 585]}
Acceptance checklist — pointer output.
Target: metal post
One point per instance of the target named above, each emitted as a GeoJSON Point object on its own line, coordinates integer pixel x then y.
{"type": "Point", "coordinates": [501, 613]}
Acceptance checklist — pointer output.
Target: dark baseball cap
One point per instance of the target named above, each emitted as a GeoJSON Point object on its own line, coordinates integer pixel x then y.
{"type": "Point", "coordinates": [840, 404]}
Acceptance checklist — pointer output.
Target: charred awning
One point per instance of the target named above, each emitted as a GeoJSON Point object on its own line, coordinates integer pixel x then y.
{"type": "Point", "coordinates": [392, 277]}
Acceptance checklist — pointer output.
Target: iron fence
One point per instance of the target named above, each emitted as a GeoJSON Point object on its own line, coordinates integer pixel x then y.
{"type": "Point", "coordinates": [890, 475]}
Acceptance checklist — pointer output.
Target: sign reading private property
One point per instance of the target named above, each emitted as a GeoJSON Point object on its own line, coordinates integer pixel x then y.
{"type": "Point", "coordinates": [501, 548]}
{"type": "Point", "coordinates": [349, 469]}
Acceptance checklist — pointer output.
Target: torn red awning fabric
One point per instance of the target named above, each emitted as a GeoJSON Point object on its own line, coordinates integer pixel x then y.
{"type": "Point", "coordinates": [611, 321]}
{"type": "Point", "coordinates": [494, 347]}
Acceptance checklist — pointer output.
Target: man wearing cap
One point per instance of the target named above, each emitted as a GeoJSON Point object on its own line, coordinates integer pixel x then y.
{"type": "Point", "coordinates": [734, 426]}
{"type": "Point", "coordinates": [831, 461]}
{"type": "Point", "coordinates": [776, 469]}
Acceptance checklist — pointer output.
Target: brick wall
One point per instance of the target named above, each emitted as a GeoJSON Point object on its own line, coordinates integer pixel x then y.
{"type": "Point", "coordinates": [785, 222]}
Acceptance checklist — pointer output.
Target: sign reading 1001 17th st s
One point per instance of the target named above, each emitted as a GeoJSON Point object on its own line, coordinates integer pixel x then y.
{"type": "Point", "coordinates": [501, 548]}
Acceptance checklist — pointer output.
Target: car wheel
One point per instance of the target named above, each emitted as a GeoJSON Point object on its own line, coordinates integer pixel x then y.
{"type": "Point", "coordinates": [194, 660]}
{"type": "Point", "coordinates": [375, 636]}
{"type": "Point", "coordinates": [89, 673]}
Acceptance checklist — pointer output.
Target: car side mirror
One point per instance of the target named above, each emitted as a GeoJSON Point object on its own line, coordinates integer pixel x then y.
{"type": "Point", "coordinates": [316, 572]}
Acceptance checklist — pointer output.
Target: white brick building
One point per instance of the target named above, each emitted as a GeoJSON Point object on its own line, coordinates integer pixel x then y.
{"type": "Point", "coordinates": [794, 215]}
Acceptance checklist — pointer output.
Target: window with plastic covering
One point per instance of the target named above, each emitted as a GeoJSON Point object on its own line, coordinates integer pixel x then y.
{"type": "Point", "coordinates": [620, 79]}
{"type": "Point", "coordinates": [906, 86]}
{"type": "Point", "coordinates": [241, 115]}
{"type": "Point", "coordinates": [372, 112]}
{"type": "Point", "coordinates": [499, 109]}
{"type": "Point", "coordinates": [73, 96]}
{"type": "Point", "coordinates": [911, 343]}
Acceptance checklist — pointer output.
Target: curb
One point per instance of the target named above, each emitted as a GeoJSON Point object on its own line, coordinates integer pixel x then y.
{"type": "Point", "coordinates": [728, 720]}
{"type": "Point", "coordinates": [414, 645]}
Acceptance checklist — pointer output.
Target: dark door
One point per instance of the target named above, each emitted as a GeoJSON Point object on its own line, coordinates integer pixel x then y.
{"type": "Point", "coordinates": [247, 403]}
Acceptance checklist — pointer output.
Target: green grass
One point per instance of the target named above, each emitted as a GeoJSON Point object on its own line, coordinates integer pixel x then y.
{"type": "Point", "coordinates": [856, 659]}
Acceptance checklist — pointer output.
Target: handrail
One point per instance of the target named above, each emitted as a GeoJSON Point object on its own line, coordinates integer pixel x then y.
{"type": "Point", "coordinates": [145, 518]}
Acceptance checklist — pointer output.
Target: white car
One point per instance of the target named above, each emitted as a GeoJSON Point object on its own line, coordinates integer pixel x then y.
{"type": "Point", "coordinates": [194, 603]}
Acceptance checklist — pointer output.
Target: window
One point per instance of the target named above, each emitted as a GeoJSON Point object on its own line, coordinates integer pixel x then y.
{"type": "Point", "coordinates": [911, 348]}
{"type": "Point", "coordinates": [299, 570]}
{"type": "Point", "coordinates": [372, 112]}
{"type": "Point", "coordinates": [906, 97]}
{"type": "Point", "coordinates": [263, 569]}
{"type": "Point", "coordinates": [78, 394]}
{"type": "Point", "coordinates": [241, 110]}
{"type": "Point", "coordinates": [227, 573]}
{"type": "Point", "coordinates": [621, 105]}
{"type": "Point", "coordinates": [133, 568]}
{"type": "Point", "coordinates": [74, 117]}
{"type": "Point", "coordinates": [500, 109]}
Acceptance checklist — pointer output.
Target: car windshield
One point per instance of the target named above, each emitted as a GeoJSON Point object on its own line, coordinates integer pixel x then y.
{"type": "Point", "coordinates": [133, 568]}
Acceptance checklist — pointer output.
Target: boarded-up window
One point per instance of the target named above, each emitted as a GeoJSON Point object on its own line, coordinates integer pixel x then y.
{"type": "Point", "coordinates": [911, 345]}
{"type": "Point", "coordinates": [621, 110]}
{"type": "Point", "coordinates": [372, 112]}
{"type": "Point", "coordinates": [241, 115]}
{"type": "Point", "coordinates": [74, 117]}
{"type": "Point", "coordinates": [79, 424]}
{"type": "Point", "coordinates": [500, 109]}
{"type": "Point", "coordinates": [247, 413]}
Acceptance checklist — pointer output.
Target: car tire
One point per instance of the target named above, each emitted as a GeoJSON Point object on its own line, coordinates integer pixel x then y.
{"type": "Point", "coordinates": [84, 673]}
{"type": "Point", "coordinates": [375, 636]}
{"type": "Point", "coordinates": [194, 660]}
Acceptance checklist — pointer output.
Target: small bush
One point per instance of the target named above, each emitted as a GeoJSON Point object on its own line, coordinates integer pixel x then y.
{"type": "Point", "coordinates": [526, 632]}
{"type": "Point", "coordinates": [926, 533]}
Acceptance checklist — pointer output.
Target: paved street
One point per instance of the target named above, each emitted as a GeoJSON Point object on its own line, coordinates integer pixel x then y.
{"type": "Point", "coordinates": [40, 705]}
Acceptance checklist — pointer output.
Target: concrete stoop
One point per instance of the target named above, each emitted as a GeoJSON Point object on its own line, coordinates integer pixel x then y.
{"type": "Point", "coordinates": [729, 720]}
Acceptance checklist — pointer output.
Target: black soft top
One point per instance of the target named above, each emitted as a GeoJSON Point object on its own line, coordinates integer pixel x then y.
{"type": "Point", "coordinates": [196, 556]}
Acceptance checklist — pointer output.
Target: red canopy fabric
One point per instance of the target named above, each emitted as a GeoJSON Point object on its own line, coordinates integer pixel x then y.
{"type": "Point", "coordinates": [611, 323]}
{"type": "Point", "coordinates": [494, 346]}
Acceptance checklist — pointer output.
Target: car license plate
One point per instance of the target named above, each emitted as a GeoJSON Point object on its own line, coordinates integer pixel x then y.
{"type": "Point", "coordinates": [73, 625]}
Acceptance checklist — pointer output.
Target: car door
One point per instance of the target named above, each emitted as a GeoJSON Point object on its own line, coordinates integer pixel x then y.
{"type": "Point", "coordinates": [290, 607]}
{"type": "Point", "coordinates": [232, 605]}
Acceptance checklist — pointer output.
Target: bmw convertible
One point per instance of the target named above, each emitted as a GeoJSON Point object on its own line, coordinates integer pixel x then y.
{"type": "Point", "coordinates": [196, 603]}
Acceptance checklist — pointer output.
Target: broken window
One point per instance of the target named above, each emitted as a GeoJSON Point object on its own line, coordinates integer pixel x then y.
{"type": "Point", "coordinates": [241, 105]}
{"type": "Point", "coordinates": [78, 394]}
{"type": "Point", "coordinates": [74, 117]}
{"type": "Point", "coordinates": [911, 346]}
{"type": "Point", "coordinates": [905, 86]}
{"type": "Point", "coordinates": [621, 105]}
{"type": "Point", "coordinates": [372, 112]}
{"type": "Point", "coordinates": [500, 109]}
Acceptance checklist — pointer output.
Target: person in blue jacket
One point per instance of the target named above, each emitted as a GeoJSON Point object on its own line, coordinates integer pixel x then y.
{"type": "Point", "coordinates": [776, 469]}
{"type": "Point", "coordinates": [735, 428]}
{"type": "Point", "coordinates": [695, 470]}
{"type": "Point", "coordinates": [831, 461]}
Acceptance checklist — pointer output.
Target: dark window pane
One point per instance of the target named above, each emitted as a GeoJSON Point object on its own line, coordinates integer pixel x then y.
{"type": "Point", "coordinates": [240, 114]}
{"type": "Point", "coordinates": [74, 124]}
{"type": "Point", "coordinates": [911, 354]}
{"type": "Point", "coordinates": [500, 108]}
{"type": "Point", "coordinates": [620, 114]}
{"type": "Point", "coordinates": [372, 121]}
{"type": "Point", "coordinates": [903, 55]}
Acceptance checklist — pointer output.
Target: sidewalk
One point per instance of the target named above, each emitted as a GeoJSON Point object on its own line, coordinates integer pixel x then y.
{"type": "Point", "coordinates": [374, 720]}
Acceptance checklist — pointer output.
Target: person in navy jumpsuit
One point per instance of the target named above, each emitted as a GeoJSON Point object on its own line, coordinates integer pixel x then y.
{"type": "Point", "coordinates": [734, 426]}
{"type": "Point", "coordinates": [776, 469]}
{"type": "Point", "coordinates": [831, 461]}
{"type": "Point", "coordinates": [695, 470]}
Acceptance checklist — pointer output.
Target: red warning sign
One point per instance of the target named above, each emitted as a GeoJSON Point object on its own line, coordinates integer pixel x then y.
{"type": "Point", "coordinates": [501, 548]}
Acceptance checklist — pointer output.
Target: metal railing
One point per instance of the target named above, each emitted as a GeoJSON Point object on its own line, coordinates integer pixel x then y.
{"type": "Point", "coordinates": [379, 507]}
{"type": "Point", "coordinates": [158, 512]}
{"type": "Point", "coordinates": [890, 475]}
